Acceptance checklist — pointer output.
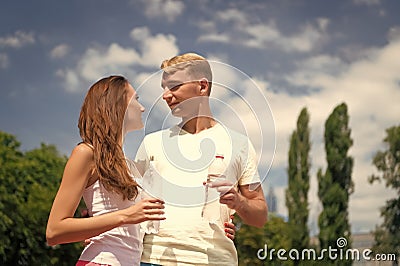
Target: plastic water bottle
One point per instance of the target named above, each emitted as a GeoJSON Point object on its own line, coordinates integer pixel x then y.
{"type": "Point", "coordinates": [212, 208]}
{"type": "Point", "coordinates": [152, 185]}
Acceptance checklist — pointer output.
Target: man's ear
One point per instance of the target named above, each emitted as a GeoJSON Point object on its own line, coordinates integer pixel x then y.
{"type": "Point", "coordinates": [204, 86]}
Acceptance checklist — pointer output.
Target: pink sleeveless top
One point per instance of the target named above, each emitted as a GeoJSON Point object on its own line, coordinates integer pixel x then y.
{"type": "Point", "coordinates": [122, 245]}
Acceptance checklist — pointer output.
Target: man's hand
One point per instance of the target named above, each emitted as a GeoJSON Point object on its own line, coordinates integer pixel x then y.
{"type": "Point", "coordinates": [228, 193]}
{"type": "Point", "coordinates": [249, 203]}
{"type": "Point", "coordinates": [230, 197]}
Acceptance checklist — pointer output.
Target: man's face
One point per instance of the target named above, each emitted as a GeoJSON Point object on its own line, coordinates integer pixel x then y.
{"type": "Point", "coordinates": [181, 93]}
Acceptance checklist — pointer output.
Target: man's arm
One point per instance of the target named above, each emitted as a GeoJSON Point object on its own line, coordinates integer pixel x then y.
{"type": "Point", "coordinates": [252, 208]}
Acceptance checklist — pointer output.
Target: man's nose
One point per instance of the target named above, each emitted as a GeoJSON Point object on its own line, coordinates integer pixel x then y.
{"type": "Point", "coordinates": [166, 93]}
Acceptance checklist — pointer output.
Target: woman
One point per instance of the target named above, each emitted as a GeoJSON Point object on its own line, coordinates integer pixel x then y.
{"type": "Point", "coordinates": [98, 171]}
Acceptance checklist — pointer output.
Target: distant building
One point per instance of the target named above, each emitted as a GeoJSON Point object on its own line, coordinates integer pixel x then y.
{"type": "Point", "coordinates": [271, 201]}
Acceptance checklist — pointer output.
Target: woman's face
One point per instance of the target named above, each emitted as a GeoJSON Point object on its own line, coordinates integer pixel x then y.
{"type": "Point", "coordinates": [133, 114]}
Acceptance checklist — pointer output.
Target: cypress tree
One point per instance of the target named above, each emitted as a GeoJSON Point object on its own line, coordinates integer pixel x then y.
{"type": "Point", "coordinates": [299, 183]}
{"type": "Point", "coordinates": [335, 185]}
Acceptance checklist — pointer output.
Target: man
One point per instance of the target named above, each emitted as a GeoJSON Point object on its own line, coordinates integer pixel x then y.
{"type": "Point", "coordinates": [181, 155]}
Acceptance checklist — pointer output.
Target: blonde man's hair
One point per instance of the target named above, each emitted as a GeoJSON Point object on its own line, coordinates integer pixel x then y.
{"type": "Point", "coordinates": [196, 66]}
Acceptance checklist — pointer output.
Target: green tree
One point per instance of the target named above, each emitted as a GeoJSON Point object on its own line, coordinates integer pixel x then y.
{"type": "Point", "coordinates": [299, 183]}
{"type": "Point", "coordinates": [10, 159]}
{"type": "Point", "coordinates": [387, 235]}
{"type": "Point", "coordinates": [249, 240]}
{"type": "Point", "coordinates": [335, 185]}
{"type": "Point", "coordinates": [29, 182]}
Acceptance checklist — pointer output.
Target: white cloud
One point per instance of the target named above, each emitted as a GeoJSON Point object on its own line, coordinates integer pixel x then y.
{"type": "Point", "coordinates": [149, 88]}
{"type": "Point", "coordinates": [375, 4]}
{"type": "Point", "coordinates": [155, 48]}
{"type": "Point", "coordinates": [98, 61]}
{"type": "Point", "coordinates": [59, 51]}
{"type": "Point", "coordinates": [367, 2]}
{"type": "Point", "coordinates": [325, 66]}
{"type": "Point", "coordinates": [114, 59]}
{"type": "Point", "coordinates": [206, 25]}
{"type": "Point", "coordinates": [305, 40]}
{"type": "Point", "coordinates": [17, 40]}
{"type": "Point", "coordinates": [239, 29]}
{"type": "Point", "coordinates": [163, 9]}
{"type": "Point", "coordinates": [367, 199]}
{"type": "Point", "coordinates": [71, 79]}
{"type": "Point", "coordinates": [232, 15]}
{"type": "Point", "coordinates": [215, 37]}
{"type": "Point", "coordinates": [3, 60]}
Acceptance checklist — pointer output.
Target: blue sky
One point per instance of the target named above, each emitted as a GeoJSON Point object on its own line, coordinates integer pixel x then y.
{"type": "Point", "coordinates": [316, 54]}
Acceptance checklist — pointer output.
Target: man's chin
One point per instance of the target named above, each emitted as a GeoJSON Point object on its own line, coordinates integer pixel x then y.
{"type": "Point", "coordinates": [176, 112]}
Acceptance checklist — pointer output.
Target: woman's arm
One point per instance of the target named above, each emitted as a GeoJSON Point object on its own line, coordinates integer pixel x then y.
{"type": "Point", "coordinates": [62, 227]}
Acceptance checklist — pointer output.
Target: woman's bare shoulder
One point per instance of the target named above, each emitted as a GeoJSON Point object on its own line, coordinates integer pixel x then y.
{"type": "Point", "coordinates": [83, 150]}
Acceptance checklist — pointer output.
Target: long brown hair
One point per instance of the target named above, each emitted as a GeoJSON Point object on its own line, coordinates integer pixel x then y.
{"type": "Point", "coordinates": [100, 125]}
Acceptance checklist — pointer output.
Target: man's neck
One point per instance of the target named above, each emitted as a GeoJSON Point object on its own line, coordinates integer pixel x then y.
{"type": "Point", "coordinates": [197, 124]}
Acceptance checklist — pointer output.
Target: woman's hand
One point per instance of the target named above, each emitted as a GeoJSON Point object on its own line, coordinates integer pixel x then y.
{"type": "Point", "coordinates": [230, 229]}
{"type": "Point", "coordinates": [145, 210]}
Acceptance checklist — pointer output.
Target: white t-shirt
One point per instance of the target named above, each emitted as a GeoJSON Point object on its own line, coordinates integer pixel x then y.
{"type": "Point", "coordinates": [182, 159]}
